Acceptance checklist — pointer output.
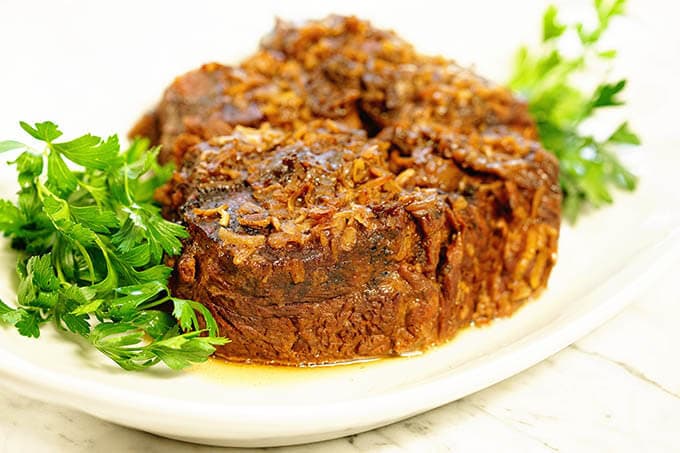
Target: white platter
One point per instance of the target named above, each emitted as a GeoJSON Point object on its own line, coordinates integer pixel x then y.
{"type": "Point", "coordinates": [603, 263]}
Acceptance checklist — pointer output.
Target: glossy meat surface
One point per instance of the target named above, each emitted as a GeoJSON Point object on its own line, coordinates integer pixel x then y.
{"type": "Point", "coordinates": [350, 198]}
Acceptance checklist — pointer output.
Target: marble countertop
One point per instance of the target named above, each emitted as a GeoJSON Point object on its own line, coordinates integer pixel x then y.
{"type": "Point", "coordinates": [617, 389]}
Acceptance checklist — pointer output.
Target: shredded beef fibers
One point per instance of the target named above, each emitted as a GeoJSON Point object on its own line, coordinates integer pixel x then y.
{"type": "Point", "coordinates": [349, 198]}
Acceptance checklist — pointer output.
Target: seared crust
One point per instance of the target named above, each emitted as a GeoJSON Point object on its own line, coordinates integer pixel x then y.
{"type": "Point", "coordinates": [350, 198]}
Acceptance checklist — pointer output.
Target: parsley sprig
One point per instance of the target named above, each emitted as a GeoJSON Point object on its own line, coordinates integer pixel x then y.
{"type": "Point", "coordinates": [546, 77]}
{"type": "Point", "coordinates": [91, 246]}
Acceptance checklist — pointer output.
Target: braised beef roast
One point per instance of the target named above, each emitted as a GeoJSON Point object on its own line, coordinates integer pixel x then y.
{"type": "Point", "coordinates": [348, 197]}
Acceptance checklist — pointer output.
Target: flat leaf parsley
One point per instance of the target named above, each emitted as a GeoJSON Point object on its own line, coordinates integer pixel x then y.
{"type": "Point", "coordinates": [91, 246]}
{"type": "Point", "coordinates": [546, 77]}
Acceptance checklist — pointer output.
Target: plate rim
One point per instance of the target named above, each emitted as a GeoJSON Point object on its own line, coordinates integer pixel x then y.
{"type": "Point", "coordinates": [28, 378]}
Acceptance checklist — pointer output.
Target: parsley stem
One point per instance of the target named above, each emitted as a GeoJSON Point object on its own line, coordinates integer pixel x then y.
{"type": "Point", "coordinates": [107, 259]}
{"type": "Point", "coordinates": [42, 190]}
{"type": "Point", "coordinates": [154, 303]}
{"type": "Point", "coordinates": [58, 248]}
{"type": "Point", "coordinates": [90, 190]}
{"type": "Point", "coordinates": [127, 186]}
{"type": "Point", "coordinates": [88, 260]}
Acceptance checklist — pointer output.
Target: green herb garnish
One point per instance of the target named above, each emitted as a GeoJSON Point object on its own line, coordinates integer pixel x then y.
{"type": "Point", "coordinates": [91, 245]}
{"type": "Point", "coordinates": [546, 78]}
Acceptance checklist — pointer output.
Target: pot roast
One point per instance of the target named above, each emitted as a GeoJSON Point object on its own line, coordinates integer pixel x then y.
{"type": "Point", "coordinates": [350, 198]}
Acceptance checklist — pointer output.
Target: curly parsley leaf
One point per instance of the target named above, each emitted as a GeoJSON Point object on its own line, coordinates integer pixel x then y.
{"type": "Point", "coordinates": [92, 152]}
{"type": "Point", "coordinates": [91, 249]}
{"type": "Point", "coordinates": [28, 323]}
{"type": "Point", "coordinates": [124, 343]}
{"type": "Point", "coordinates": [186, 310]}
{"type": "Point", "coordinates": [46, 131]}
{"type": "Point", "coordinates": [8, 314]}
{"type": "Point", "coordinates": [11, 218]}
{"type": "Point", "coordinates": [60, 178]}
{"type": "Point", "coordinates": [624, 135]}
{"type": "Point", "coordinates": [551, 27]}
{"type": "Point", "coordinates": [547, 78]}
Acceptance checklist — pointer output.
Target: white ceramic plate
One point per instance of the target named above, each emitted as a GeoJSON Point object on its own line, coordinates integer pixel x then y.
{"type": "Point", "coordinates": [603, 262]}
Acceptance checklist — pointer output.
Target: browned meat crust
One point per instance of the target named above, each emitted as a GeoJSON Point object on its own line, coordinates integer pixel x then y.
{"type": "Point", "coordinates": [349, 198]}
